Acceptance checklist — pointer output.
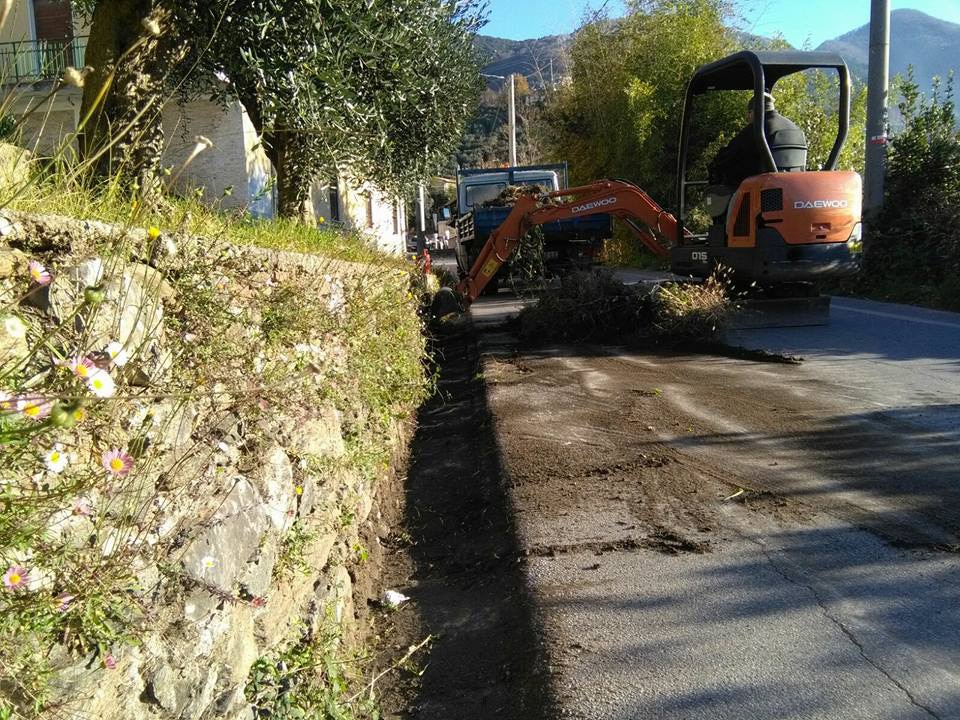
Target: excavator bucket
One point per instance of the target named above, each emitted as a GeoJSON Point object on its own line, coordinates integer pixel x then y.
{"type": "Point", "coordinates": [445, 301]}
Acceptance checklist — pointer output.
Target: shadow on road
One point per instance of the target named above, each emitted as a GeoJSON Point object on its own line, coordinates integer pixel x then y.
{"type": "Point", "coordinates": [470, 592]}
{"type": "Point", "coordinates": [893, 477]}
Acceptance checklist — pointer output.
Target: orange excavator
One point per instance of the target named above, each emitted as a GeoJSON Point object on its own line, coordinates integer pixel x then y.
{"type": "Point", "coordinates": [785, 226]}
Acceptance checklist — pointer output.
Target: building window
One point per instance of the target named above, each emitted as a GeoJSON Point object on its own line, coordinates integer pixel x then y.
{"type": "Point", "coordinates": [369, 209]}
{"type": "Point", "coordinates": [53, 20]}
{"type": "Point", "coordinates": [334, 202]}
{"type": "Point", "coordinates": [396, 218]}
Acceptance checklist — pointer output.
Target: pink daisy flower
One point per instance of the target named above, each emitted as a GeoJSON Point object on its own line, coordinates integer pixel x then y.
{"type": "Point", "coordinates": [39, 273]}
{"type": "Point", "coordinates": [117, 462]}
{"type": "Point", "coordinates": [15, 578]}
{"type": "Point", "coordinates": [109, 662]}
{"type": "Point", "coordinates": [34, 408]}
{"type": "Point", "coordinates": [82, 367]}
{"type": "Point", "coordinates": [63, 601]}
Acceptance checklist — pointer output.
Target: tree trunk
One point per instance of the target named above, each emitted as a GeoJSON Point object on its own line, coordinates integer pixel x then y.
{"type": "Point", "coordinates": [287, 151]}
{"type": "Point", "coordinates": [293, 185]}
{"type": "Point", "coordinates": [124, 136]}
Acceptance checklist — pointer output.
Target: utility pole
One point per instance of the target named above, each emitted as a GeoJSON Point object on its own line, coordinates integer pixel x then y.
{"type": "Point", "coordinates": [513, 116]}
{"type": "Point", "coordinates": [877, 91]}
{"type": "Point", "coordinates": [513, 123]}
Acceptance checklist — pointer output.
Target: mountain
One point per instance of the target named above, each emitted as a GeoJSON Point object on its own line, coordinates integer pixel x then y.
{"type": "Point", "coordinates": [525, 57]}
{"type": "Point", "coordinates": [928, 44]}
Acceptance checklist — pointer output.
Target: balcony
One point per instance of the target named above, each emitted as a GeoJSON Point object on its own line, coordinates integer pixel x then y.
{"type": "Point", "coordinates": [33, 61]}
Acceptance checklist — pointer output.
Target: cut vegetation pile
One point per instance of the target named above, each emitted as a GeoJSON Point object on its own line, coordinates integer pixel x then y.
{"type": "Point", "coordinates": [597, 306]}
{"type": "Point", "coordinates": [510, 194]}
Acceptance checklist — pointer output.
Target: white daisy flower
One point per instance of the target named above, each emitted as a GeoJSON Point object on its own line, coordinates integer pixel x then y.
{"type": "Point", "coordinates": [116, 352]}
{"type": "Point", "coordinates": [56, 460]}
{"type": "Point", "coordinates": [101, 384]}
{"type": "Point", "coordinates": [14, 327]}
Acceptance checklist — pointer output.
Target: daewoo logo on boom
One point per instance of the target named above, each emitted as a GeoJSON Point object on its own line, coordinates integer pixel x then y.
{"type": "Point", "coordinates": [594, 204]}
{"type": "Point", "coordinates": [814, 204]}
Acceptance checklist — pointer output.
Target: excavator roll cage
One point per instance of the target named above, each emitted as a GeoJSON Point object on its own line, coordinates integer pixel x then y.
{"type": "Point", "coordinates": [759, 72]}
{"type": "Point", "coordinates": [653, 225]}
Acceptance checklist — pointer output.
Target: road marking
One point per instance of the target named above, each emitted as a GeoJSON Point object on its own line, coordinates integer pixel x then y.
{"type": "Point", "coordinates": [955, 326]}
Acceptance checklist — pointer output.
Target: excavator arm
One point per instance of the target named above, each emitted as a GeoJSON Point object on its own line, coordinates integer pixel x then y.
{"type": "Point", "coordinates": [652, 224]}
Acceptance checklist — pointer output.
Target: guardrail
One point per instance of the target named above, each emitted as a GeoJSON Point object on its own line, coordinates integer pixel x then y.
{"type": "Point", "coordinates": [29, 61]}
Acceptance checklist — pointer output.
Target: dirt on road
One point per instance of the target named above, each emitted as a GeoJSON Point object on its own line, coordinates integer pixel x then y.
{"type": "Point", "coordinates": [598, 533]}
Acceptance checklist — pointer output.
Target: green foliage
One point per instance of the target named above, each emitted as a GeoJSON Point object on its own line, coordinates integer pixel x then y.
{"type": "Point", "coordinates": [486, 139]}
{"type": "Point", "coordinates": [305, 681]}
{"type": "Point", "coordinates": [8, 127]}
{"type": "Point", "coordinates": [620, 115]}
{"type": "Point", "coordinates": [527, 269]}
{"type": "Point", "coordinates": [811, 99]}
{"type": "Point", "coordinates": [912, 253]}
{"type": "Point", "coordinates": [293, 548]}
{"type": "Point", "coordinates": [375, 88]}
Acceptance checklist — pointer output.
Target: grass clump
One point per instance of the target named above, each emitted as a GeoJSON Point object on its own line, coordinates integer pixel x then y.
{"type": "Point", "coordinates": [306, 680]}
{"type": "Point", "coordinates": [315, 678]}
{"type": "Point", "coordinates": [692, 311]}
{"type": "Point", "coordinates": [62, 191]}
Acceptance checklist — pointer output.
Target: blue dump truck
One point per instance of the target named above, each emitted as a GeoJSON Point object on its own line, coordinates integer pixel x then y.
{"type": "Point", "coordinates": [568, 244]}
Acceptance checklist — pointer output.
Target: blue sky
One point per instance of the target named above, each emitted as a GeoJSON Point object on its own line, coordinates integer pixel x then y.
{"type": "Point", "coordinates": [798, 21]}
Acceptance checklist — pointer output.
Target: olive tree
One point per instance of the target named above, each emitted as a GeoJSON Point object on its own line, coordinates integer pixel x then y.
{"type": "Point", "coordinates": [123, 90]}
{"type": "Point", "coordinates": [380, 89]}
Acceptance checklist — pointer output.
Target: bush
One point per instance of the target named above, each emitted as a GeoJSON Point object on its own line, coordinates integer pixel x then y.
{"type": "Point", "coordinates": [913, 252]}
{"type": "Point", "coordinates": [689, 312]}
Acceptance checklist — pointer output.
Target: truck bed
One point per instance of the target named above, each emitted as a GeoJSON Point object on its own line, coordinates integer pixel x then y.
{"type": "Point", "coordinates": [475, 227]}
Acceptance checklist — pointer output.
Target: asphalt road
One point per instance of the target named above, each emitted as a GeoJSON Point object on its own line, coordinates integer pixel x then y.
{"type": "Point", "coordinates": [711, 537]}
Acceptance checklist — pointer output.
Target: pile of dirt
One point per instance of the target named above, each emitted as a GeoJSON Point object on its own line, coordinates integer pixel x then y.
{"type": "Point", "coordinates": [589, 305]}
{"type": "Point", "coordinates": [595, 305]}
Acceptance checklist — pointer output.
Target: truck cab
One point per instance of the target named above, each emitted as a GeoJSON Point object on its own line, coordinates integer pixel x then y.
{"type": "Point", "coordinates": [568, 243]}
{"type": "Point", "coordinates": [475, 189]}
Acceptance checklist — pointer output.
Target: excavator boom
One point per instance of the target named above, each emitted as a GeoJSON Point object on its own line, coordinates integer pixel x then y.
{"type": "Point", "coordinates": [652, 224]}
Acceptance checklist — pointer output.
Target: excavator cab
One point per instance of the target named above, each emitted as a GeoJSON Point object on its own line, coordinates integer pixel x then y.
{"type": "Point", "coordinates": [788, 223]}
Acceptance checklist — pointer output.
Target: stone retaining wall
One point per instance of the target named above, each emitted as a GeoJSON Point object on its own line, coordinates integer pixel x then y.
{"type": "Point", "coordinates": [253, 482]}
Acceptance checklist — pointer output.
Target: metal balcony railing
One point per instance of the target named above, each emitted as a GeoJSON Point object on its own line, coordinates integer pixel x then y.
{"type": "Point", "coordinates": [29, 61]}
